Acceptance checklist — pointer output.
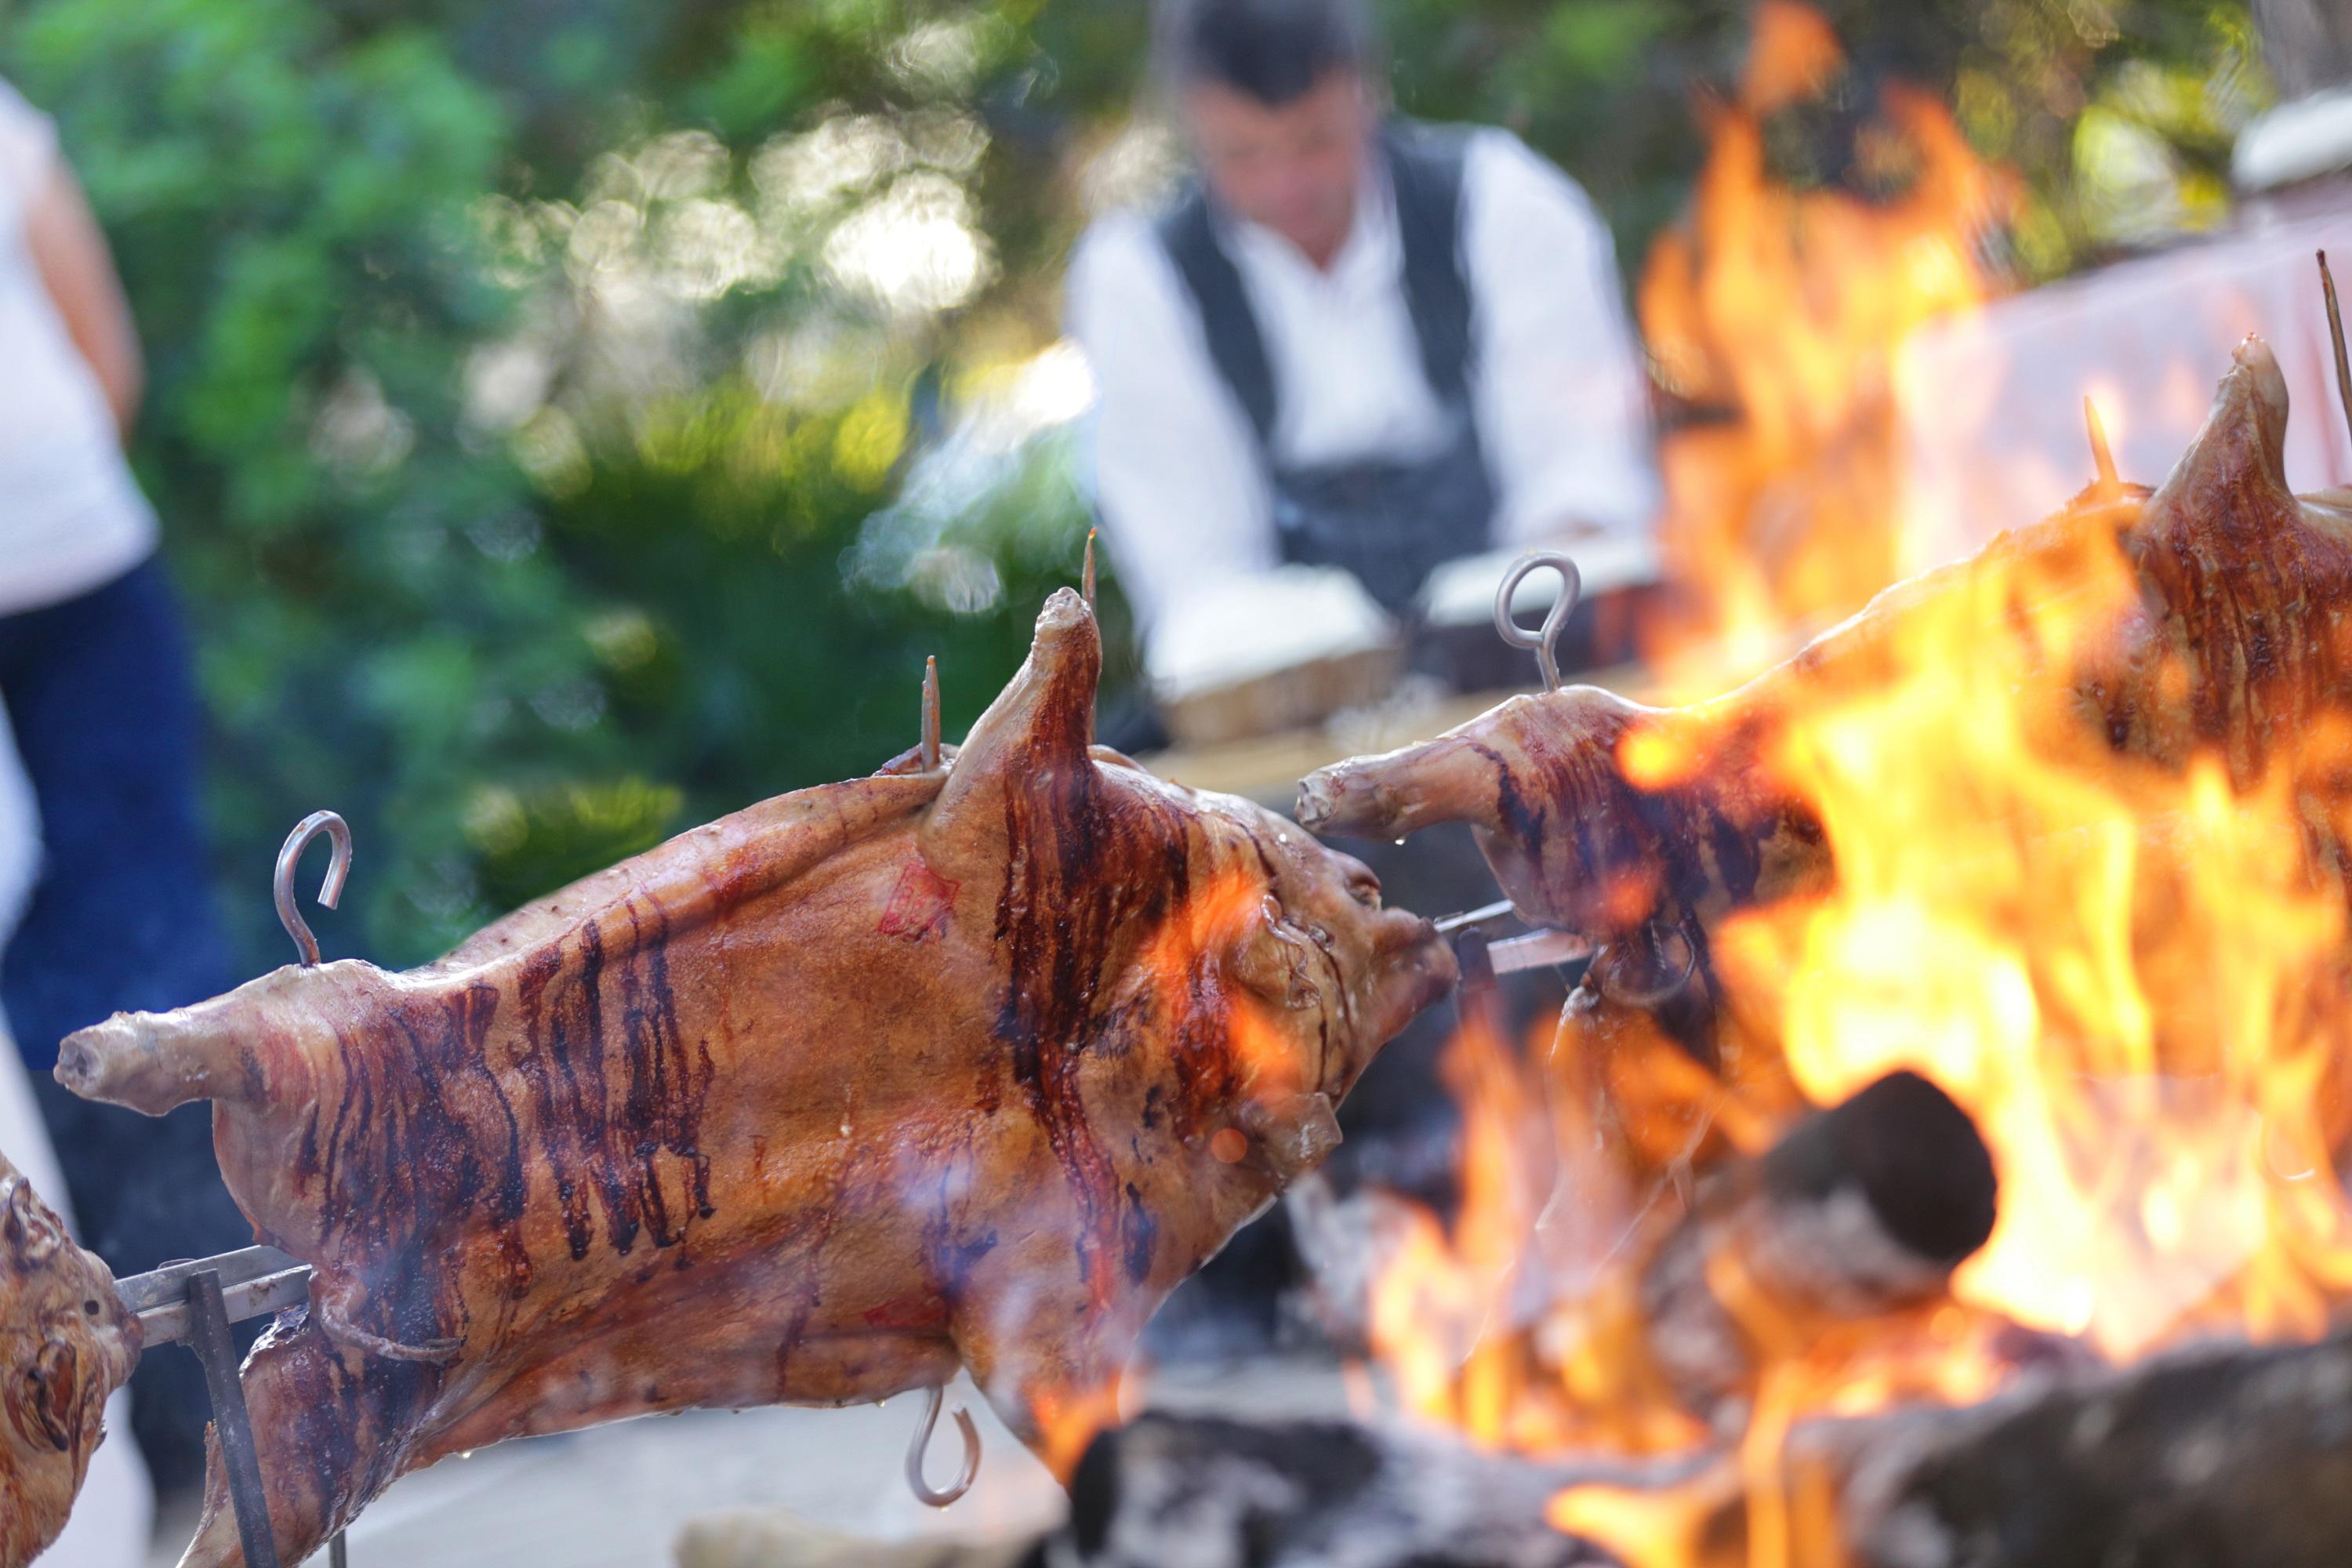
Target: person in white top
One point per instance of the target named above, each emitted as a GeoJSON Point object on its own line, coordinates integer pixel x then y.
{"type": "Point", "coordinates": [1355, 341]}
{"type": "Point", "coordinates": [95, 683]}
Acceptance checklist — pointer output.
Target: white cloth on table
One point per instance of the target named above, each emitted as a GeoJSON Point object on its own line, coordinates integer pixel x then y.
{"type": "Point", "coordinates": [71, 517]}
{"type": "Point", "coordinates": [1989, 405]}
{"type": "Point", "coordinates": [1557, 384]}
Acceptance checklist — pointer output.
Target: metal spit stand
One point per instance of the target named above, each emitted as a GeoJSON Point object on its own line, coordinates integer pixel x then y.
{"type": "Point", "coordinates": [193, 1303]}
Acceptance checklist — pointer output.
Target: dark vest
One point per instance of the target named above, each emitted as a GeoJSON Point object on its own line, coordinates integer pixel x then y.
{"type": "Point", "coordinates": [1388, 522]}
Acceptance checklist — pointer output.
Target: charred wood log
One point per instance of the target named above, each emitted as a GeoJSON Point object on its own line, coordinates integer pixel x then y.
{"type": "Point", "coordinates": [2224, 1456]}
{"type": "Point", "coordinates": [1210, 1492]}
{"type": "Point", "coordinates": [1222, 1493]}
{"type": "Point", "coordinates": [2220, 1457]}
{"type": "Point", "coordinates": [1859, 1212]}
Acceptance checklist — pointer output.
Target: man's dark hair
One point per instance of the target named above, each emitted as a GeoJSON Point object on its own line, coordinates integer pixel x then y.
{"type": "Point", "coordinates": [1276, 51]}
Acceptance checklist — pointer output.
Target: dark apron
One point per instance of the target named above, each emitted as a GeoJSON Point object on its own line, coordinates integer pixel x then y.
{"type": "Point", "coordinates": [1388, 522]}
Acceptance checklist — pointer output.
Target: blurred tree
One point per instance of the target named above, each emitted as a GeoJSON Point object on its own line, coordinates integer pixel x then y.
{"type": "Point", "coordinates": [572, 419]}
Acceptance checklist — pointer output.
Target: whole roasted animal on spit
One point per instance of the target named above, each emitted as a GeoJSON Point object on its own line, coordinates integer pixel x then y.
{"type": "Point", "coordinates": [2238, 641]}
{"type": "Point", "coordinates": [2137, 637]}
{"type": "Point", "coordinates": [65, 1343]}
{"type": "Point", "coordinates": [965, 1065]}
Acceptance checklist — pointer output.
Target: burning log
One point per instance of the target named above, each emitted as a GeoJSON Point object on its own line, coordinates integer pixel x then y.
{"type": "Point", "coordinates": [65, 1343]}
{"type": "Point", "coordinates": [1834, 1249]}
{"type": "Point", "coordinates": [2225, 1457]}
{"type": "Point", "coordinates": [961, 1065]}
{"type": "Point", "coordinates": [1859, 1213]}
{"type": "Point", "coordinates": [2220, 1457]}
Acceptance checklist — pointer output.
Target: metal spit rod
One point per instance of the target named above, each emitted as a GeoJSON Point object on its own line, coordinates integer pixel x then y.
{"type": "Point", "coordinates": [1538, 949]}
{"type": "Point", "coordinates": [252, 1283]}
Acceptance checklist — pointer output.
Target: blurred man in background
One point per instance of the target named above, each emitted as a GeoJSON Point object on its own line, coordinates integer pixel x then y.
{"type": "Point", "coordinates": [1354, 341]}
{"type": "Point", "coordinates": [1358, 345]}
{"type": "Point", "coordinates": [94, 680]}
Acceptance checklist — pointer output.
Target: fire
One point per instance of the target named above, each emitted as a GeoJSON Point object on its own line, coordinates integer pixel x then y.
{"type": "Point", "coordinates": [2126, 976]}
{"type": "Point", "coordinates": [1772, 315]}
{"type": "Point", "coordinates": [2130, 974]}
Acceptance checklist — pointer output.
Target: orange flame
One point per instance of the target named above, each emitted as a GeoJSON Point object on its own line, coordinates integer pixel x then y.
{"type": "Point", "coordinates": [1772, 315]}
{"type": "Point", "coordinates": [2132, 973]}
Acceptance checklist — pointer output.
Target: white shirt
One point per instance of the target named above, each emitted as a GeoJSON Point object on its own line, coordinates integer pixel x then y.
{"type": "Point", "coordinates": [1557, 385]}
{"type": "Point", "coordinates": [71, 517]}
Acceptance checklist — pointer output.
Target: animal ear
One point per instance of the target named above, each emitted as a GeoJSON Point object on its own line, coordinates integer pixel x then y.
{"type": "Point", "coordinates": [1034, 738]}
{"type": "Point", "coordinates": [2242, 446]}
{"type": "Point", "coordinates": [25, 1226]}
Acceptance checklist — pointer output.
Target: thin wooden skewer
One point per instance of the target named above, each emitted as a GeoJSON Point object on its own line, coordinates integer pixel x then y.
{"type": "Point", "coordinates": [1089, 580]}
{"type": "Point", "coordinates": [2335, 332]}
{"type": "Point", "coordinates": [931, 714]}
{"type": "Point", "coordinates": [2102, 457]}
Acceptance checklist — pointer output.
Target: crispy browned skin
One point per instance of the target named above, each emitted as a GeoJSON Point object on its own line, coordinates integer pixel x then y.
{"type": "Point", "coordinates": [64, 1344]}
{"type": "Point", "coordinates": [2239, 640]}
{"type": "Point", "coordinates": [812, 1104]}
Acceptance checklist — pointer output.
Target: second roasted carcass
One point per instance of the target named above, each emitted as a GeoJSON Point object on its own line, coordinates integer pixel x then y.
{"type": "Point", "coordinates": [65, 1343]}
{"type": "Point", "coordinates": [2231, 637]}
{"type": "Point", "coordinates": [965, 1067]}
{"type": "Point", "coordinates": [2061, 828]}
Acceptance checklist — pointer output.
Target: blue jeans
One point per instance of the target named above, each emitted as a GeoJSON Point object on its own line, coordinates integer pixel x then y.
{"type": "Point", "coordinates": [97, 691]}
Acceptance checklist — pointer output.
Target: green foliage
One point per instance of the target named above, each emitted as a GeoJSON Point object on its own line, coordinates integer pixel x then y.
{"type": "Point", "coordinates": [2119, 113]}
{"type": "Point", "coordinates": [571, 422]}
{"type": "Point", "coordinates": [288, 205]}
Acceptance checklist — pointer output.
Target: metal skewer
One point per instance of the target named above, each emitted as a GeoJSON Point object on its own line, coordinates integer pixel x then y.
{"type": "Point", "coordinates": [252, 1283]}
{"type": "Point", "coordinates": [935, 1401]}
{"type": "Point", "coordinates": [1539, 950]}
{"type": "Point", "coordinates": [1545, 639]}
{"type": "Point", "coordinates": [1476, 916]}
{"type": "Point", "coordinates": [330, 892]}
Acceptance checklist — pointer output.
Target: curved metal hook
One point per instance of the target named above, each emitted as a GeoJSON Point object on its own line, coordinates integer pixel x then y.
{"type": "Point", "coordinates": [1661, 995]}
{"type": "Point", "coordinates": [936, 1401]}
{"type": "Point", "coordinates": [1544, 641]}
{"type": "Point", "coordinates": [330, 892]}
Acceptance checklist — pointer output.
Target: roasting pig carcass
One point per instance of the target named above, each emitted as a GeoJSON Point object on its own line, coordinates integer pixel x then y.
{"type": "Point", "coordinates": [65, 1343]}
{"type": "Point", "coordinates": [959, 1066]}
{"type": "Point", "coordinates": [1620, 820]}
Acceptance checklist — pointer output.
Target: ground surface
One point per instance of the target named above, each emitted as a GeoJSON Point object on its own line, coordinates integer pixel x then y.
{"type": "Point", "coordinates": [616, 1496]}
